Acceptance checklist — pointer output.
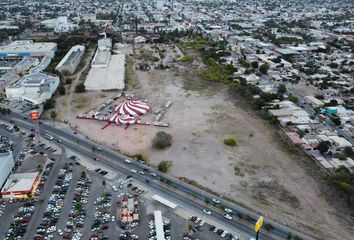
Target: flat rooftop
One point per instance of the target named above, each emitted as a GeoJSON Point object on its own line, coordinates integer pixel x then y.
{"type": "Point", "coordinates": [110, 77]}
{"type": "Point", "coordinates": [20, 182]}
{"type": "Point", "coordinates": [28, 46]}
{"type": "Point", "coordinates": [102, 57]}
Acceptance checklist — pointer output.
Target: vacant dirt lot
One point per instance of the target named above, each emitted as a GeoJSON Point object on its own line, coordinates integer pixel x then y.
{"type": "Point", "coordinates": [258, 173]}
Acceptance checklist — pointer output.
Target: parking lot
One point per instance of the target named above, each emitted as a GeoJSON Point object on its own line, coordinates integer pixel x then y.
{"type": "Point", "coordinates": [18, 105]}
{"type": "Point", "coordinates": [80, 202]}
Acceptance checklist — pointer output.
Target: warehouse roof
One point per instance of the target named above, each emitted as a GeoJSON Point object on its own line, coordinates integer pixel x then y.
{"type": "Point", "coordinates": [28, 46]}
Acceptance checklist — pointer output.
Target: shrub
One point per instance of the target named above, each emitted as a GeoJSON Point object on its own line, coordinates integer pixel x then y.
{"type": "Point", "coordinates": [268, 226]}
{"type": "Point", "coordinates": [49, 104]}
{"type": "Point", "coordinates": [164, 166]}
{"type": "Point", "coordinates": [162, 140]}
{"type": "Point", "coordinates": [230, 142]}
{"type": "Point", "coordinates": [80, 88]}
{"type": "Point", "coordinates": [187, 58]}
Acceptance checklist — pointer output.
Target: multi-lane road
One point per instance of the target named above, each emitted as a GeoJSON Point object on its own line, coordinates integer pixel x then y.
{"type": "Point", "coordinates": [178, 191]}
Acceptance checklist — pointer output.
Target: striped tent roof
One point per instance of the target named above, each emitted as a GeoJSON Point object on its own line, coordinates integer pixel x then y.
{"type": "Point", "coordinates": [132, 108]}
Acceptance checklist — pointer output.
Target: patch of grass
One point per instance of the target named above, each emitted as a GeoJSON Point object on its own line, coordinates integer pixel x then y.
{"type": "Point", "coordinates": [230, 141]}
{"type": "Point", "coordinates": [187, 58]}
{"type": "Point", "coordinates": [129, 72]}
{"type": "Point", "coordinates": [238, 171]}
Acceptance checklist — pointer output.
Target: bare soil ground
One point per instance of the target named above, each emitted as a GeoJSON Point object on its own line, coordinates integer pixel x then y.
{"type": "Point", "coordinates": [258, 173]}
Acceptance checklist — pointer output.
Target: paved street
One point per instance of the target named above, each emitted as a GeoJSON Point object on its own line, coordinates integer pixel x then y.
{"type": "Point", "coordinates": [180, 191]}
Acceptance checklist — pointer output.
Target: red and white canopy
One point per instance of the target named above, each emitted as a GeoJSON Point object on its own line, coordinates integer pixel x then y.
{"type": "Point", "coordinates": [132, 108]}
{"type": "Point", "coordinates": [123, 120]}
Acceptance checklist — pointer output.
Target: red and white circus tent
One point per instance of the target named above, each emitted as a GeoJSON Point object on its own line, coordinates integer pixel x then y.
{"type": "Point", "coordinates": [123, 120]}
{"type": "Point", "coordinates": [132, 108]}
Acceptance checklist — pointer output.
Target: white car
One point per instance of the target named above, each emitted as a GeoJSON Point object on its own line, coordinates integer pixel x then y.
{"type": "Point", "coordinates": [127, 161]}
{"type": "Point", "coordinates": [153, 174]}
{"type": "Point", "coordinates": [215, 201]}
{"type": "Point", "coordinates": [133, 171]}
{"type": "Point", "coordinates": [60, 232]}
{"type": "Point", "coordinates": [115, 188]}
{"type": "Point", "coordinates": [228, 210]}
{"type": "Point", "coordinates": [202, 223]}
{"type": "Point", "coordinates": [206, 212]}
{"type": "Point", "coordinates": [224, 234]}
{"type": "Point", "coordinates": [227, 216]}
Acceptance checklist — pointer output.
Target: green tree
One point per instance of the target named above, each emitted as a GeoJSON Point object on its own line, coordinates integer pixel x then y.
{"type": "Point", "coordinates": [336, 121]}
{"type": "Point", "coordinates": [268, 226]}
{"type": "Point", "coordinates": [53, 115]}
{"type": "Point", "coordinates": [164, 166]}
{"type": "Point", "coordinates": [162, 140]}
{"type": "Point", "coordinates": [80, 88]}
{"type": "Point", "coordinates": [333, 65]}
{"type": "Point", "coordinates": [254, 64]}
{"type": "Point", "coordinates": [293, 98]}
{"type": "Point", "coordinates": [264, 68]}
{"type": "Point", "coordinates": [349, 151]}
{"type": "Point", "coordinates": [323, 146]}
{"type": "Point", "coordinates": [281, 89]}
{"type": "Point", "coordinates": [49, 104]}
{"type": "Point", "coordinates": [61, 89]}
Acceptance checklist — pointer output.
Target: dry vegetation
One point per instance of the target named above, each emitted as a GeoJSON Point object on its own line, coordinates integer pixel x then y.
{"type": "Point", "coordinates": [261, 172]}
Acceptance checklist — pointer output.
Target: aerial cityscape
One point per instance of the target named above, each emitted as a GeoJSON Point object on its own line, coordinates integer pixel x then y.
{"type": "Point", "coordinates": [177, 119]}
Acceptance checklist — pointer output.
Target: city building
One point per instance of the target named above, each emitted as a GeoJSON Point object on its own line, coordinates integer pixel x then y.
{"type": "Point", "coordinates": [71, 60]}
{"type": "Point", "coordinates": [35, 88]}
{"type": "Point", "coordinates": [59, 24]}
{"type": "Point", "coordinates": [20, 185]}
{"type": "Point", "coordinates": [6, 165]}
{"type": "Point", "coordinates": [28, 48]}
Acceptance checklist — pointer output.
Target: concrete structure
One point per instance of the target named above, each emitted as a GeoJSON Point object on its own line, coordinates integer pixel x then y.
{"type": "Point", "coordinates": [71, 60]}
{"type": "Point", "coordinates": [59, 24]}
{"type": "Point", "coordinates": [101, 59]}
{"type": "Point", "coordinates": [35, 87]}
{"type": "Point", "coordinates": [107, 72]}
{"type": "Point", "coordinates": [164, 201]}
{"type": "Point", "coordinates": [104, 43]}
{"type": "Point", "coordinates": [19, 185]}
{"type": "Point", "coordinates": [314, 101]}
{"type": "Point", "coordinates": [6, 165]}
{"type": "Point", "coordinates": [160, 234]}
{"type": "Point", "coordinates": [28, 48]}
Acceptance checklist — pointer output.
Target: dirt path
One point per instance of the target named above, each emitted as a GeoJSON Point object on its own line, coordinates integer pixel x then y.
{"type": "Point", "coordinates": [69, 106]}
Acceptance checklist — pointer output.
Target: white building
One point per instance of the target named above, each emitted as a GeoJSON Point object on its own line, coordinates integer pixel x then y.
{"type": "Point", "coordinates": [28, 48]}
{"type": "Point", "coordinates": [34, 87]}
{"type": "Point", "coordinates": [6, 165]}
{"type": "Point", "coordinates": [104, 43]}
{"type": "Point", "coordinates": [59, 24]}
{"type": "Point", "coordinates": [71, 60]}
